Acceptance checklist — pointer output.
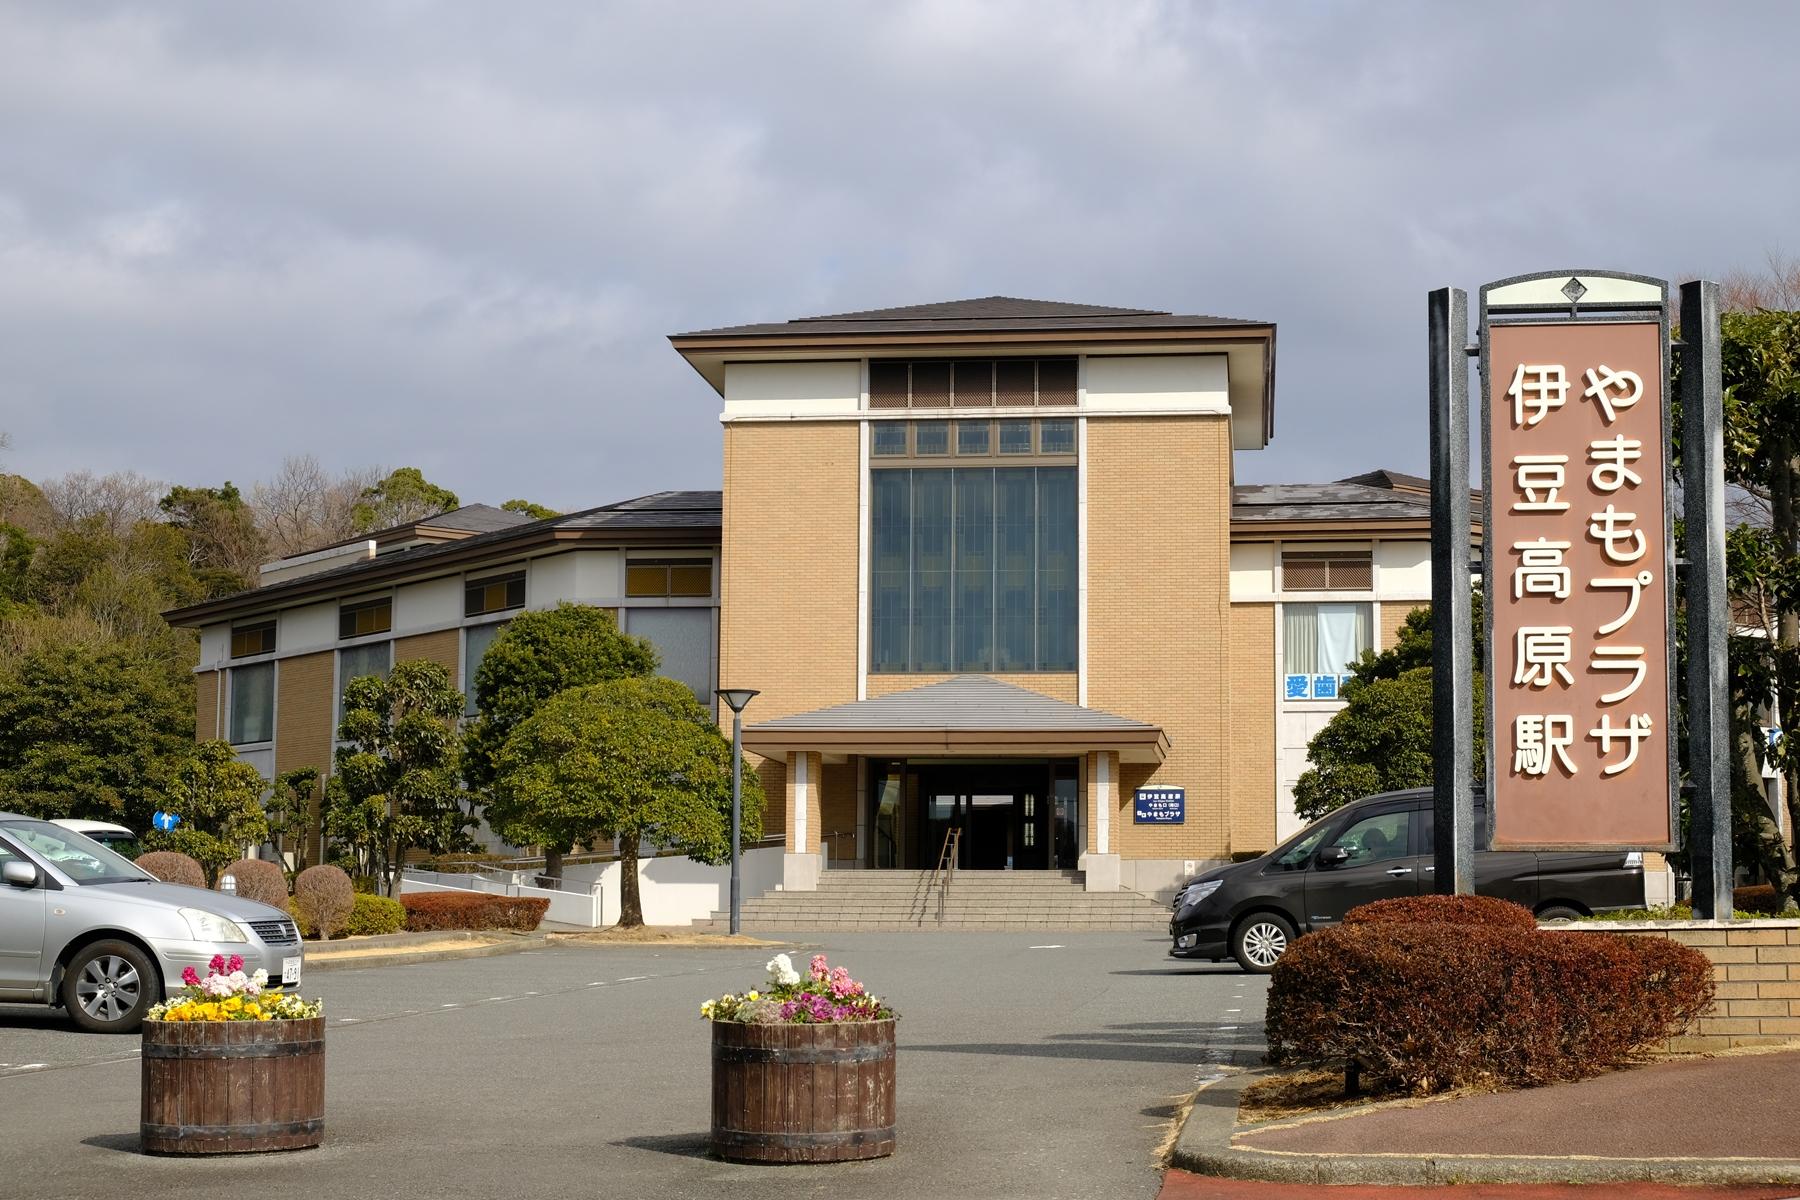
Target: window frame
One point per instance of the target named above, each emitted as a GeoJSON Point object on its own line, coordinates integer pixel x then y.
{"type": "Point", "coordinates": [484, 582]}
{"type": "Point", "coordinates": [349, 609]}
{"type": "Point", "coordinates": [953, 456]}
{"type": "Point", "coordinates": [669, 565]}
{"type": "Point", "coordinates": [231, 702]}
{"type": "Point", "coordinates": [890, 393]}
{"type": "Point", "coordinates": [267, 625]}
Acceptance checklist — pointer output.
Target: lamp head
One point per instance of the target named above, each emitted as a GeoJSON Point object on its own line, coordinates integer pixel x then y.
{"type": "Point", "coordinates": [736, 698]}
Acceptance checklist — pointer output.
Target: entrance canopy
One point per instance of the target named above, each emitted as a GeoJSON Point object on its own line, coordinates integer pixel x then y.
{"type": "Point", "coordinates": [967, 715]}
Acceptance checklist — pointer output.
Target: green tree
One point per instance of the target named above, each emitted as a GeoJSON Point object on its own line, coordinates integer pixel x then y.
{"type": "Point", "coordinates": [404, 496]}
{"type": "Point", "coordinates": [640, 760]}
{"type": "Point", "coordinates": [16, 550]}
{"type": "Point", "coordinates": [540, 655]}
{"type": "Point", "coordinates": [224, 545]}
{"type": "Point", "coordinates": [395, 787]}
{"type": "Point", "coordinates": [89, 727]}
{"type": "Point", "coordinates": [536, 512]}
{"type": "Point", "coordinates": [290, 807]}
{"type": "Point", "coordinates": [219, 800]}
{"type": "Point", "coordinates": [1380, 740]}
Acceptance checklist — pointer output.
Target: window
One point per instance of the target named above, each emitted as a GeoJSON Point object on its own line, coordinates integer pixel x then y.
{"type": "Point", "coordinates": [972, 383]}
{"type": "Point", "coordinates": [1376, 838]}
{"type": "Point", "coordinates": [669, 577]}
{"type": "Point", "coordinates": [370, 616]}
{"type": "Point", "coordinates": [1056, 437]}
{"type": "Point", "coordinates": [931, 438]}
{"type": "Point", "coordinates": [1015, 437]}
{"type": "Point", "coordinates": [253, 639]}
{"type": "Point", "coordinates": [888, 439]}
{"type": "Point", "coordinates": [476, 640]}
{"type": "Point", "coordinates": [1320, 642]}
{"type": "Point", "coordinates": [973, 569]}
{"type": "Point", "coordinates": [252, 704]}
{"type": "Point", "coordinates": [357, 662]}
{"type": "Point", "coordinates": [972, 437]}
{"type": "Point", "coordinates": [1326, 571]}
{"type": "Point", "coordinates": [496, 594]}
{"type": "Point", "coordinates": [683, 637]}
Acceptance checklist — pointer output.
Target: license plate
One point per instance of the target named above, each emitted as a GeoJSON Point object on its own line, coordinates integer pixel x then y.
{"type": "Point", "coordinates": [290, 970]}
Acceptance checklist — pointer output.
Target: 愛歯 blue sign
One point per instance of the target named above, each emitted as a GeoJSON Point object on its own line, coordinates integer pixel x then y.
{"type": "Point", "coordinates": [1159, 806]}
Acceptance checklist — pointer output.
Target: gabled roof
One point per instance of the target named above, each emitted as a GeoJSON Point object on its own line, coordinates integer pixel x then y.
{"type": "Point", "coordinates": [684, 518]}
{"type": "Point", "coordinates": [983, 314]}
{"type": "Point", "coordinates": [962, 714]}
{"type": "Point", "coordinates": [474, 518]}
{"type": "Point", "coordinates": [1359, 506]}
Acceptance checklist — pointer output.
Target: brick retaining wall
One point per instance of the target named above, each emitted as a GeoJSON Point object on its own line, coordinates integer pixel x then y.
{"type": "Point", "coordinates": [1756, 967]}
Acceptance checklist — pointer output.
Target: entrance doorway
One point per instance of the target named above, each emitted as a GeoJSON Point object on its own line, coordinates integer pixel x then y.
{"type": "Point", "coordinates": [1013, 814]}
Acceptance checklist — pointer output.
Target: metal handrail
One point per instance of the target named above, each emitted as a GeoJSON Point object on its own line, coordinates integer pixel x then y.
{"type": "Point", "coordinates": [947, 867]}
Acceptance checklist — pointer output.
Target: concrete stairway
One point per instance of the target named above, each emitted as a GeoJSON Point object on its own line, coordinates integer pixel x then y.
{"type": "Point", "coordinates": [853, 899]}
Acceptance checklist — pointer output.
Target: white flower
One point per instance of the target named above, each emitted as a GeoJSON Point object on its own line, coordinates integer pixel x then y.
{"type": "Point", "coordinates": [781, 971]}
{"type": "Point", "coordinates": [261, 978]}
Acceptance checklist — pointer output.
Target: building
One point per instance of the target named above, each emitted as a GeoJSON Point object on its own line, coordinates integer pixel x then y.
{"type": "Point", "coordinates": [274, 660]}
{"type": "Point", "coordinates": [986, 562]}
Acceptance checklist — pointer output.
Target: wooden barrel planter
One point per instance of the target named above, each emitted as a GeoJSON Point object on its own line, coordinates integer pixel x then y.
{"type": "Point", "coordinates": [233, 1087]}
{"type": "Point", "coordinates": [802, 1093]}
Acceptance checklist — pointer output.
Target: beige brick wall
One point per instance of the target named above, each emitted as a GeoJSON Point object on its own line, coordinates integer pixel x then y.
{"type": "Point", "coordinates": [1159, 614]}
{"type": "Point", "coordinates": [441, 646]}
{"type": "Point", "coordinates": [1252, 724]}
{"type": "Point", "coordinates": [305, 705]}
{"type": "Point", "coordinates": [1393, 616]}
{"type": "Point", "coordinates": [788, 575]}
{"type": "Point", "coordinates": [1058, 685]}
{"type": "Point", "coordinates": [207, 692]}
{"type": "Point", "coordinates": [1756, 973]}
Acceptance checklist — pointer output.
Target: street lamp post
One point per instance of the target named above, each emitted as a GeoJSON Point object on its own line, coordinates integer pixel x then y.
{"type": "Point", "coordinates": [735, 699]}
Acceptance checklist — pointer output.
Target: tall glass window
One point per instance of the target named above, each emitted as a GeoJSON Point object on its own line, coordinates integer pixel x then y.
{"type": "Point", "coordinates": [252, 703]}
{"type": "Point", "coordinates": [973, 569]}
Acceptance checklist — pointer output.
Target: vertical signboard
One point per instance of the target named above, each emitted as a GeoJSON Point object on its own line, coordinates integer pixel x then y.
{"type": "Point", "coordinates": [1578, 567]}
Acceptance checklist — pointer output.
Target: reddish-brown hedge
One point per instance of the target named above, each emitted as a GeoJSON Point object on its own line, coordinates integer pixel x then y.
{"type": "Point", "coordinates": [1435, 1006]}
{"type": "Point", "coordinates": [462, 910]}
{"type": "Point", "coordinates": [1758, 898]}
{"type": "Point", "coordinates": [1444, 910]}
{"type": "Point", "coordinates": [172, 867]}
{"type": "Point", "coordinates": [257, 880]}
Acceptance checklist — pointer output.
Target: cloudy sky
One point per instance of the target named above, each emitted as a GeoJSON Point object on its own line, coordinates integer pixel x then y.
{"type": "Point", "coordinates": [455, 235]}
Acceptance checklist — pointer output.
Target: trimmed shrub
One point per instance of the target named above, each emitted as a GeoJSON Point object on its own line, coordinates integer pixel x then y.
{"type": "Point", "coordinates": [323, 900]}
{"type": "Point", "coordinates": [1761, 898]}
{"type": "Point", "coordinates": [172, 867]}
{"type": "Point", "coordinates": [257, 880]}
{"type": "Point", "coordinates": [1443, 910]}
{"type": "Point", "coordinates": [465, 910]}
{"type": "Point", "coordinates": [375, 914]}
{"type": "Point", "coordinates": [1438, 1006]}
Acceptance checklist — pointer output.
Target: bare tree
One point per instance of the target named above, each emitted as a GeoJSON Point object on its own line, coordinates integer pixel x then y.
{"type": "Point", "coordinates": [120, 499]}
{"type": "Point", "coordinates": [303, 507]}
{"type": "Point", "coordinates": [1776, 287]}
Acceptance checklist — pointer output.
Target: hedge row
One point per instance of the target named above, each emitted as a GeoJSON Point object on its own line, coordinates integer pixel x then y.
{"type": "Point", "coordinates": [1760, 898]}
{"type": "Point", "coordinates": [1435, 1004]}
{"type": "Point", "coordinates": [1444, 910]}
{"type": "Point", "coordinates": [461, 910]}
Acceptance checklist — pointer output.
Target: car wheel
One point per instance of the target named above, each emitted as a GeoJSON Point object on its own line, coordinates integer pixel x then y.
{"type": "Point", "coordinates": [1260, 940]}
{"type": "Point", "coordinates": [1560, 912]}
{"type": "Point", "coordinates": [109, 986]}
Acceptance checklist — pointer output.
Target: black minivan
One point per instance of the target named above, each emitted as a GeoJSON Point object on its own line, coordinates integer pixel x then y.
{"type": "Point", "coordinates": [1373, 849]}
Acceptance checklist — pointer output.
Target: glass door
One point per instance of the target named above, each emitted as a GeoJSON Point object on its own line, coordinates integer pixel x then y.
{"type": "Point", "coordinates": [943, 812]}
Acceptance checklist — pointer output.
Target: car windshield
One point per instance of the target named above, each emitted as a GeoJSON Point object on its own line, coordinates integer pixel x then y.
{"type": "Point", "coordinates": [80, 858]}
{"type": "Point", "coordinates": [1293, 855]}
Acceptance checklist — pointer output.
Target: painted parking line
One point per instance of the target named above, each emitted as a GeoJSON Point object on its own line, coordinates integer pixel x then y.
{"type": "Point", "coordinates": [1055, 947]}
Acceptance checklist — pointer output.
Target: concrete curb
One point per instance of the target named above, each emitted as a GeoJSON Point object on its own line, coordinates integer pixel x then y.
{"type": "Point", "coordinates": [514, 943]}
{"type": "Point", "coordinates": [1205, 1147]}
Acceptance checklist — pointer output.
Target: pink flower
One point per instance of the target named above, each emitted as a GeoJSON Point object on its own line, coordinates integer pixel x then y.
{"type": "Point", "coordinates": [819, 968]}
{"type": "Point", "coordinates": [190, 977]}
{"type": "Point", "coordinates": [217, 963]}
{"type": "Point", "coordinates": [234, 963]}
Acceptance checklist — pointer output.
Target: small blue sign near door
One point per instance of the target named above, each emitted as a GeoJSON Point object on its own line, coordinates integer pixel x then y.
{"type": "Point", "coordinates": [165, 821]}
{"type": "Point", "coordinates": [1159, 806]}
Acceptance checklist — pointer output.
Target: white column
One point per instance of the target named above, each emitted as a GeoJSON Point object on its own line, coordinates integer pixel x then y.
{"type": "Point", "coordinates": [801, 786]}
{"type": "Point", "coordinates": [1103, 803]}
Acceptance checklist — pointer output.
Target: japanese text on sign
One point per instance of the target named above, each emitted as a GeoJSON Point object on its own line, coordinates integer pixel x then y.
{"type": "Point", "coordinates": [1159, 806]}
{"type": "Point", "coordinates": [1576, 526]}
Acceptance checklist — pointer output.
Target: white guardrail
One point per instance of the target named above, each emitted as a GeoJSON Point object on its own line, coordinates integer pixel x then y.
{"type": "Point", "coordinates": [567, 907]}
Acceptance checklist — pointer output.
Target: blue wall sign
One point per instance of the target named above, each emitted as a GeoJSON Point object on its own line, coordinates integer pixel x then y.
{"type": "Point", "coordinates": [165, 821]}
{"type": "Point", "coordinates": [1159, 806]}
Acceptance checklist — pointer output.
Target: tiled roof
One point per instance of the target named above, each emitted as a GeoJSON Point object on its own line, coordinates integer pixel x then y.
{"type": "Point", "coordinates": [1379, 495]}
{"type": "Point", "coordinates": [988, 313]}
{"type": "Point", "coordinates": [975, 703]}
{"type": "Point", "coordinates": [477, 518]}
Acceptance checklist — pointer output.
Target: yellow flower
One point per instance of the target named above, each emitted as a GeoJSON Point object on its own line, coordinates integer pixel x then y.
{"type": "Point", "coordinates": [754, 995]}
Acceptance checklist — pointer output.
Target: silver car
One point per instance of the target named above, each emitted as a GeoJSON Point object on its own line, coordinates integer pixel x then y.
{"type": "Point", "coordinates": [84, 929]}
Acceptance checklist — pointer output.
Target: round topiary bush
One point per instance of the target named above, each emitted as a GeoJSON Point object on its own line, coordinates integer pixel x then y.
{"type": "Point", "coordinates": [171, 867]}
{"type": "Point", "coordinates": [1444, 910]}
{"type": "Point", "coordinates": [323, 900]}
{"type": "Point", "coordinates": [1433, 1006]}
{"type": "Point", "coordinates": [257, 880]}
{"type": "Point", "coordinates": [375, 914]}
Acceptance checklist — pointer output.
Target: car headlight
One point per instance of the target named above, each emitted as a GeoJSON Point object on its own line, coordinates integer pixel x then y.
{"type": "Point", "coordinates": [1199, 891]}
{"type": "Point", "coordinates": [211, 927]}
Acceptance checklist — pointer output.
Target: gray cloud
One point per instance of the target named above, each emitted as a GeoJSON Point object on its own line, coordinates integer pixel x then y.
{"type": "Point", "coordinates": [454, 235]}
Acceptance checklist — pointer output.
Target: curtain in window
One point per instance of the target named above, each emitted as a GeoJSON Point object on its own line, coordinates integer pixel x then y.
{"type": "Point", "coordinates": [252, 704]}
{"type": "Point", "coordinates": [1015, 553]}
{"type": "Point", "coordinates": [684, 638]}
{"type": "Point", "coordinates": [974, 569]}
{"type": "Point", "coordinates": [475, 647]}
{"type": "Point", "coordinates": [1325, 639]}
{"type": "Point", "coordinates": [1058, 555]}
{"type": "Point", "coordinates": [890, 576]}
{"type": "Point", "coordinates": [931, 570]}
{"type": "Point", "coordinates": [355, 662]}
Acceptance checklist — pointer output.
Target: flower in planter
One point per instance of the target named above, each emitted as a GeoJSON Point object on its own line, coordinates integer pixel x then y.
{"type": "Point", "coordinates": [227, 994]}
{"type": "Point", "coordinates": [824, 995]}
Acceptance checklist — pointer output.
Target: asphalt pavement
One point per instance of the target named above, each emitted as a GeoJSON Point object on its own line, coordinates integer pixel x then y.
{"type": "Point", "coordinates": [1030, 1065]}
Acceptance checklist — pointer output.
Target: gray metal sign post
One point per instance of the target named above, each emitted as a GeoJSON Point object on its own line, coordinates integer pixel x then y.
{"type": "Point", "coordinates": [1708, 682]}
{"type": "Point", "coordinates": [1452, 649]}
